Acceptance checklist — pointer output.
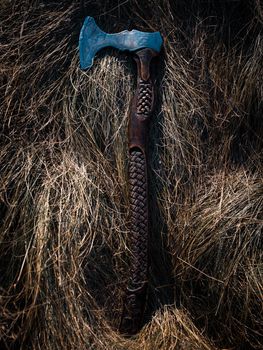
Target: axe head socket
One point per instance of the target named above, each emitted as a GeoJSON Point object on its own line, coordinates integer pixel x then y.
{"type": "Point", "coordinates": [92, 39]}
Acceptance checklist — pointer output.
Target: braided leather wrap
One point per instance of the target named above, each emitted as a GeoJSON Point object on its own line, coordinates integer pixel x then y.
{"type": "Point", "coordinates": [139, 218]}
{"type": "Point", "coordinates": [145, 98]}
{"type": "Point", "coordinates": [136, 291]}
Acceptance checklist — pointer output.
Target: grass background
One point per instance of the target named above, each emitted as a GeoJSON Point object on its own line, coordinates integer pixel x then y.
{"type": "Point", "coordinates": [64, 251]}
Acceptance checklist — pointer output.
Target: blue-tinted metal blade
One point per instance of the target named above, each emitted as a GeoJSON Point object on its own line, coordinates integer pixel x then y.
{"type": "Point", "coordinates": [92, 39]}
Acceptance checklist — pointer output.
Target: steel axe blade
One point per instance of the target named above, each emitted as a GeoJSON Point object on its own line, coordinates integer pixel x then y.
{"type": "Point", "coordinates": [92, 39]}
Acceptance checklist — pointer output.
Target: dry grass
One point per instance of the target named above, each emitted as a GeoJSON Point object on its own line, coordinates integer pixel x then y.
{"type": "Point", "coordinates": [63, 186]}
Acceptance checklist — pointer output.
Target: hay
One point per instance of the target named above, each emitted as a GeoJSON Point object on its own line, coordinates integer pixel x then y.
{"type": "Point", "coordinates": [63, 189]}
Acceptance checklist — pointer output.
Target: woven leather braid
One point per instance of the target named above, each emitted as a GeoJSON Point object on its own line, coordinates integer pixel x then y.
{"type": "Point", "coordinates": [139, 218]}
{"type": "Point", "coordinates": [144, 103]}
{"type": "Point", "coordinates": [134, 304]}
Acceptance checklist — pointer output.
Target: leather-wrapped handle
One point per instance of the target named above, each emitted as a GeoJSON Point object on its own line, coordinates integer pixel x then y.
{"type": "Point", "coordinates": [140, 114]}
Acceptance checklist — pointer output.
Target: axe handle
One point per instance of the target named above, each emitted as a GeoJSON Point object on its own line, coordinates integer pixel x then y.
{"type": "Point", "coordinates": [139, 117]}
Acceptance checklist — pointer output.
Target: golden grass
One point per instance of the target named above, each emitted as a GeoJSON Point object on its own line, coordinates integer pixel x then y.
{"type": "Point", "coordinates": [63, 186]}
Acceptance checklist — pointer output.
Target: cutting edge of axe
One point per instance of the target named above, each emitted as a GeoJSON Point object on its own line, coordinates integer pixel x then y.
{"type": "Point", "coordinates": [145, 47]}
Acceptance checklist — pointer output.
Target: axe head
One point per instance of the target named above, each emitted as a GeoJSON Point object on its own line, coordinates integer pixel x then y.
{"type": "Point", "coordinates": [92, 39]}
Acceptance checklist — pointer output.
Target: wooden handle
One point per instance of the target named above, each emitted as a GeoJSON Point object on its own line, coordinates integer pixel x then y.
{"type": "Point", "coordinates": [141, 111]}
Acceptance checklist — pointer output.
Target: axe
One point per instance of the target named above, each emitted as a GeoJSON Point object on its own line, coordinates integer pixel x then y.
{"type": "Point", "coordinates": [145, 46]}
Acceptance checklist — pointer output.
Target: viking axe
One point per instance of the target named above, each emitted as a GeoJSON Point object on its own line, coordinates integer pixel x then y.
{"type": "Point", "coordinates": [145, 47]}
